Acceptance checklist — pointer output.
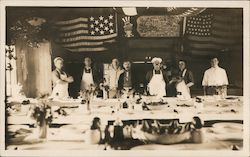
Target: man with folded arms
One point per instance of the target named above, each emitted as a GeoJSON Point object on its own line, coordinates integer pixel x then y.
{"type": "Point", "coordinates": [60, 80]}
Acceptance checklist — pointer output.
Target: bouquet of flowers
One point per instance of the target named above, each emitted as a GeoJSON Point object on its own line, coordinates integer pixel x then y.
{"type": "Point", "coordinates": [41, 112]}
{"type": "Point", "coordinates": [104, 86]}
{"type": "Point", "coordinates": [86, 94]}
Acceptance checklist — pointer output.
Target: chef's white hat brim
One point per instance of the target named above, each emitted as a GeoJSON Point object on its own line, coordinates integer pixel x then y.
{"type": "Point", "coordinates": [58, 58]}
{"type": "Point", "coordinates": [155, 59]}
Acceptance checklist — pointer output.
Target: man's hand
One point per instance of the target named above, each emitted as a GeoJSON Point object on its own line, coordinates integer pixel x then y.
{"type": "Point", "coordinates": [70, 79]}
{"type": "Point", "coordinates": [122, 71]}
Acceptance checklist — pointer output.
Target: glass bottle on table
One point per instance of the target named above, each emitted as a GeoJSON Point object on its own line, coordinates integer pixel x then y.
{"type": "Point", "coordinates": [118, 131]}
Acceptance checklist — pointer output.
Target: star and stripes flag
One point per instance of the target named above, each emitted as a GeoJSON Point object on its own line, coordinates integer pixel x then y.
{"type": "Point", "coordinates": [211, 33]}
{"type": "Point", "coordinates": [87, 34]}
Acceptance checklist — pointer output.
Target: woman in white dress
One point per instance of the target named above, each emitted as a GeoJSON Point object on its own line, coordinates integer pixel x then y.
{"type": "Point", "coordinates": [60, 80]}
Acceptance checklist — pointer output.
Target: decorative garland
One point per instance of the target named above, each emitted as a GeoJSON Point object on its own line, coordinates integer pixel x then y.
{"type": "Point", "coordinates": [32, 30]}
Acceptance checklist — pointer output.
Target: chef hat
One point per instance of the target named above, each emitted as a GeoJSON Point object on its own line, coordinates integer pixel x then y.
{"type": "Point", "coordinates": [155, 59]}
{"type": "Point", "coordinates": [58, 58]}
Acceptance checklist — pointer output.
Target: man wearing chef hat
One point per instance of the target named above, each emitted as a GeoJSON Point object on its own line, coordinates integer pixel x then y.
{"type": "Point", "coordinates": [157, 79]}
{"type": "Point", "coordinates": [60, 80]}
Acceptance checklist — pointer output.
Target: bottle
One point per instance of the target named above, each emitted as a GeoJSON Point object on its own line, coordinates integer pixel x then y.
{"type": "Point", "coordinates": [197, 133]}
{"type": "Point", "coordinates": [94, 135]}
{"type": "Point", "coordinates": [107, 137]}
{"type": "Point", "coordinates": [118, 131]}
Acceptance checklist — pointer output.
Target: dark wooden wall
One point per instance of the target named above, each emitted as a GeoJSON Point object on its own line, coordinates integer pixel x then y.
{"type": "Point", "coordinates": [137, 49]}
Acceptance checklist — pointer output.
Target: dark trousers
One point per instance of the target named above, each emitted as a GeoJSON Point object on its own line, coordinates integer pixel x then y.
{"type": "Point", "coordinates": [215, 90]}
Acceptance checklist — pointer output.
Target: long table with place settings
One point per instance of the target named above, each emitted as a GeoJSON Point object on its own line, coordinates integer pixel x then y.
{"type": "Point", "coordinates": [70, 128]}
{"type": "Point", "coordinates": [108, 110]}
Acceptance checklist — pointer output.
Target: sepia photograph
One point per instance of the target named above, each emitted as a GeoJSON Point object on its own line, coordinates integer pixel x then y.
{"type": "Point", "coordinates": [125, 78]}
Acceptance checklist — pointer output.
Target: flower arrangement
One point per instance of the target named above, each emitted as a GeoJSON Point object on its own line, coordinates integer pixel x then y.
{"type": "Point", "coordinates": [41, 112]}
{"type": "Point", "coordinates": [105, 88]}
{"type": "Point", "coordinates": [88, 93]}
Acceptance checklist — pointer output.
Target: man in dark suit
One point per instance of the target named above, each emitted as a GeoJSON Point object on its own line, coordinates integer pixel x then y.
{"type": "Point", "coordinates": [157, 79]}
{"type": "Point", "coordinates": [127, 78]}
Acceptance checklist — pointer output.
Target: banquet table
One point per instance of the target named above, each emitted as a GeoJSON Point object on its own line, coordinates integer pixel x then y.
{"type": "Point", "coordinates": [210, 109]}
{"type": "Point", "coordinates": [72, 127]}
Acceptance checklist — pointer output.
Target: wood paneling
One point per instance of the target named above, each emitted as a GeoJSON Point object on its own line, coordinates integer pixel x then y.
{"type": "Point", "coordinates": [152, 43]}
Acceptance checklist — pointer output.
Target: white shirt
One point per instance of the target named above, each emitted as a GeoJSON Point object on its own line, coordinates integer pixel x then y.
{"type": "Point", "coordinates": [113, 77]}
{"type": "Point", "coordinates": [184, 72]}
{"type": "Point", "coordinates": [215, 76]}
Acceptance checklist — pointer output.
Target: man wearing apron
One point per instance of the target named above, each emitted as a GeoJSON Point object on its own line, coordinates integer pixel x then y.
{"type": "Point", "coordinates": [60, 80]}
{"type": "Point", "coordinates": [157, 79]}
{"type": "Point", "coordinates": [185, 81]}
{"type": "Point", "coordinates": [87, 75]}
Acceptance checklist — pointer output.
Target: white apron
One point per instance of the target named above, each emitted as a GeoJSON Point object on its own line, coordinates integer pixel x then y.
{"type": "Point", "coordinates": [157, 85]}
{"type": "Point", "coordinates": [60, 90]}
{"type": "Point", "coordinates": [87, 80]}
{"type": "Point", "coordinates": [182, 88]}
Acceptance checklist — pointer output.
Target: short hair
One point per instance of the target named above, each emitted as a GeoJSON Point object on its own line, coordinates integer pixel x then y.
{"type": "Point", "coordinates": [125, 61]}
{"type": "Point", "coordinates": [115, 59]}
{"type": "Point", "coordinates": [183, 60]}
{"type": "Point", "coordinates": [87, 58]}
{"type": "Point", "coordinates": [213, 57]}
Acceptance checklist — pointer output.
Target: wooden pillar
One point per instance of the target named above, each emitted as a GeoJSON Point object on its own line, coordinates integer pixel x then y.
{"type": "Point", "coordinates": [34, 68]}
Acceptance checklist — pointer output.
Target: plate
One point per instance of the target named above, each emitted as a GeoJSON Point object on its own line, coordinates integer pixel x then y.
{"type": "Point", "coordinates": [228, 127]}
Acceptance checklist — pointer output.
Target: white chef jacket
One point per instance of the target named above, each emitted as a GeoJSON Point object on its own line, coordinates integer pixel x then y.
{"type": "Point", "coordinates": [215, 77]}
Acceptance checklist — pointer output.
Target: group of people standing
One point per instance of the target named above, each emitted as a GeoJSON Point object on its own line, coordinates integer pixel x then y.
{"type": "Point", "coordinates": [158, 81]}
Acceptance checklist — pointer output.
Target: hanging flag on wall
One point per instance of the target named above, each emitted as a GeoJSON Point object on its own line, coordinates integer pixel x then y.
{"type": "Point", "coordinates": [211, 33]}
{"type": "Point", "coordinates": [87, 34]}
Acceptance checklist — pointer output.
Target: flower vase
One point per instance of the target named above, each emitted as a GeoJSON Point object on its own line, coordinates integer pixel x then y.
{"type": "Point", "coordinates": [42, 129]}
{"type": "Point", "coordinates": [197, 136]}
{"type": "Point", "coordinates": [93, 136]}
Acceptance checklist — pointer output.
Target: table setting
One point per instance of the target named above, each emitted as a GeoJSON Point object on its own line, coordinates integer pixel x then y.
{"type": "Point", "coordinates": [134, 122]}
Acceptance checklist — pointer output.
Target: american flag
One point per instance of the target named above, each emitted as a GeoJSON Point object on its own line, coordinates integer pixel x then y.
{"type": "Point", "coordinates": [87, 34]}
{"type": "Point", "coordinates": [213, 32]}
